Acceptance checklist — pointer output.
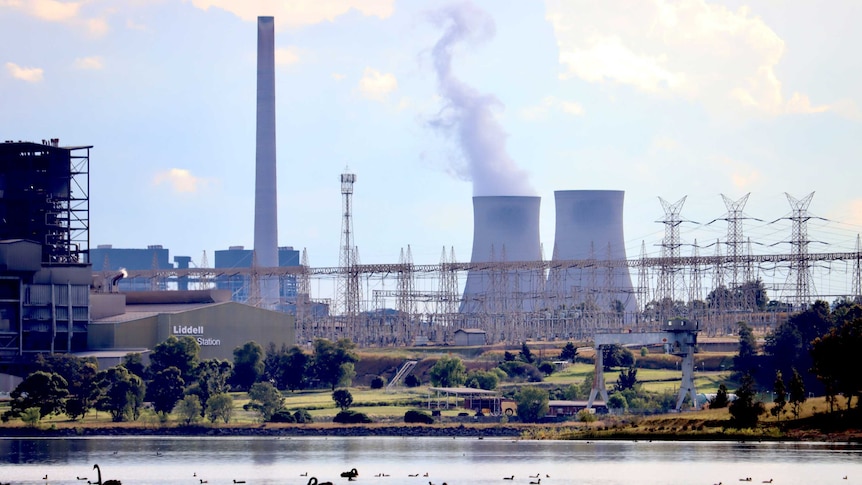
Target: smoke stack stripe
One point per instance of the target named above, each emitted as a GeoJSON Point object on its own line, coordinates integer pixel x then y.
{"type": "Point", "coordinates": [265, 201]}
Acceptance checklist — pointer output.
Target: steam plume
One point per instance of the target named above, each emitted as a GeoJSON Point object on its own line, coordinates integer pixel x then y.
{"type": "Point", "coordinates": [467, 115]}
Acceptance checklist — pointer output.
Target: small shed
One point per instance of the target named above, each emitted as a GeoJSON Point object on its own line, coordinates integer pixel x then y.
{"type": "Point", "coordinates": [469, 336]}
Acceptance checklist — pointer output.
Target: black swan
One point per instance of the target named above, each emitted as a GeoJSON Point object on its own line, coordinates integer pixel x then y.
{"type": "Point", "coordinates": [99, 478]}
{"type": "Point", "coordinates": [351, 474]}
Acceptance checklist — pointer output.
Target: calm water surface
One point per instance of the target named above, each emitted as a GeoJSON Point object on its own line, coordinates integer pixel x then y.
{"type": "Point", "coordinates": [187, 461]}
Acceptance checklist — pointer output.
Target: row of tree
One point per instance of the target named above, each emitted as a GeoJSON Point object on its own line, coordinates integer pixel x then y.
{"type": "Point", "coordinates": [63, 384]}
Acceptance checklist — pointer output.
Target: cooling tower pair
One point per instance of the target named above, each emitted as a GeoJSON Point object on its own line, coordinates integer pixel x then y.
{"type": "Point", "coordinates": [589, 226]}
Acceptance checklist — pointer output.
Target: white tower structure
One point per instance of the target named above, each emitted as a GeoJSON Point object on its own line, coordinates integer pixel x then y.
{"type": "Point", "coordinates": [348, 294]}
{"type": "Point", "coordinates": [589, 225]}
{"type": "Point", "coordinates": [505, 229]}
{"type": "Point", "coordinates": [265, 201]}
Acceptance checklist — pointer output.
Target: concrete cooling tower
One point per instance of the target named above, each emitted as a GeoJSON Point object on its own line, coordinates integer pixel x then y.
{"type": "Point", "coordinates": [505, 229]}
{"type": "Point", "coordinates": [589, 225]}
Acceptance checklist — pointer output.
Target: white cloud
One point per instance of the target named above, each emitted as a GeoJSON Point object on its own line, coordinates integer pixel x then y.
{"type": "Point", "coordinates": [298, 12]}
{"type": "Point", "coordinates": [50, 10]}
{"type": "Point", "coordinates": [286, 56]}
{"type": "Point", "coordinates": [376, 85]}
{"type": "Point", "coordinates": [29, 74]}
{"type": "Point", "coordinates": [742, 175]}
{"type": "Point", "coordinates": [338, 76]}
{"type": "Point", "coordinates": [692, 49]}
{"type": "Point", "coordinates": [551, 103]}
{"type": "Point", "coordinates": [59, 11]}
{"type": "Point", "coordinates": [89, 63]}
{"type": "Point", "coordinates": [180, 180]}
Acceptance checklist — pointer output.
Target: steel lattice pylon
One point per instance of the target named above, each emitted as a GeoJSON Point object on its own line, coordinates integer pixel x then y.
{"type": "Point", "coordinates": [671, 283]}
{"type": "Point", "coordinates": [800, 265]}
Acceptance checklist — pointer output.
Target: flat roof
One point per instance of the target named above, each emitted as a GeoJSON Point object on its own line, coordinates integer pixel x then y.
{"type": "Point", "coordinates": [462, 390]}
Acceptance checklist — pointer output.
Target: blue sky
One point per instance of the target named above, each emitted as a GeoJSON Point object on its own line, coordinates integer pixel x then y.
{"type": "Point", "coordinates": [658, 98]}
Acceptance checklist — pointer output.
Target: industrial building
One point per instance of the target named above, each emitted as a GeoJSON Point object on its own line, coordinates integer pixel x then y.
{"type": "Point", "coordinates": [239, 284]}
{"type": "Point", "coordinates": [106, 258]}
{"type": "Point", "coordinates": [138, 321]}
{"type": "Point", "coordinates": [44, 236]}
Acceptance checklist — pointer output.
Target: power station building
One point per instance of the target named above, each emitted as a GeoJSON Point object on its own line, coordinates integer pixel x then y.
{"type": "Point", "coordinates": [137, 321]}
{"type": "Point", "coordinates": [53, 300]}
{"type": "Point", "coordinates": [44, 236]}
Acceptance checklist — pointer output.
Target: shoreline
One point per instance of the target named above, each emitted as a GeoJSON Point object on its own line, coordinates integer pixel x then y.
{"type": "Point", "coordinates": [478, 431]}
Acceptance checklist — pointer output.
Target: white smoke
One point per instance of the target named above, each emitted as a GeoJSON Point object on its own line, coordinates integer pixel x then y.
{"type": "Point", "coordinates": [467, 115]}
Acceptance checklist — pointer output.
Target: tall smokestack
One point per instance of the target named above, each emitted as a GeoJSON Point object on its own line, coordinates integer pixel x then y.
{"type": "Point", "coordinates": [265, 201]}
{"type": "Point", "coordinates": [589, 225]}
{"type": "Point", "coordinates": [505, 229]}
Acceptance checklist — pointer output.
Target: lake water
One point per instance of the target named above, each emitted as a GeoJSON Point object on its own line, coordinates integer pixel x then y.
{"type": "Point", "coordinates": [188, 460]}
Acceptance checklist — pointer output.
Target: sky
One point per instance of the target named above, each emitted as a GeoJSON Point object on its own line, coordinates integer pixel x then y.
{"type": "Point", "coordinates": [430, 103]}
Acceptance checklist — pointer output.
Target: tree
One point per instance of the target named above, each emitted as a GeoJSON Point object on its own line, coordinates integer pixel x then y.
{"type": "Point", "coordinates": [80, 374]}
{"type": "Point", "coordinates": [526, 355]}
{"type": "Point", "coordinates": [46, 391]}
{"type": "Point", "coordinates": [447, 372]}
{"type": "Point", "coordinates": [834, 360]}
{"type": "Point", "coordinates": [212, 379]}
{"type": "Point", "coordinates": [220, 406]}
{"type": "Point", "coordinates": [265, 399]}
{"type": "Point", "coordinates": [627, 379]}
{"type": "Point", "coordinates": [31, 416]}
{"type": "Point", "coordinates": [480, 379]}
{"type": "Point", "coordinates": [617, 401]}
{"type": "Point", "coordinates": [295, 368]}
{"type": "Point", "coordinates": [247, 365]}
{"type": "Point", "coordinates": [287, 368]}
{"type": "Point", "coordinates": [788, 346]}
{"type": "Point", "coordinates": [745, 411]}
{"type": "Point", "coordinates": [615, 355]}
{"type": "Point", "coordinates": [121, 393]}
{"type": "Point", "coordinates": [532, 403]}
{"type": "Point", "coordinates": [329, 359]}
{"type": "Point", "coordinates": [165, 390]}
{"type": "Point", "coordinates": [411, 381]}
{"type": "Point", "coordinates": [797, 393]}
{"type": "Point", "coordinates": [189, 409]}
{"type": "Point", "coordinates": [378, 382]}
{"type": "Point", "coordinates": [720, 400]}
{"type": "Point", "coordinates": [780, 399]}
{"type": "Point", "coordinates": [569, 352]}
{"type": "Point", "coordinates": [746, 360]}
{"type": "Point", "coordinates": [134, 362]}
{"type": "Point", "coordinates": [343, 399]}
{"type": "Point", "coordinates": [181, 353]}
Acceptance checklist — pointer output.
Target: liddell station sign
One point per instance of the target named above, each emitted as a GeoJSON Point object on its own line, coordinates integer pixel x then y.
{"type": "Point", "coordinates": [197, 332]}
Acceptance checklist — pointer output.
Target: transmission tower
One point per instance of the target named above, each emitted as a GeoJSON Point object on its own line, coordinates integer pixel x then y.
{"type": "Point", "coordinates": [735, 241]}
{"type": "Point", "coordinates": [347, 293]}
{"type": "Point", "coordinates": [671, 283]}
{"type": "Point", "coordinates": [856, 287]}
{"type": "Point", "coordinates": [406, 304]}
{"type": "Point", "coordinates": [204, 280]}
{"type": "Point", "coordinates": [303, 300]}
{"type": "Point", "coordinates": [799, 264]}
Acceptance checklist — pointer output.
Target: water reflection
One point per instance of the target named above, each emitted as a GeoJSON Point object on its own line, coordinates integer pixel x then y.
{"type": "Point", "coordinates": [168, 461]}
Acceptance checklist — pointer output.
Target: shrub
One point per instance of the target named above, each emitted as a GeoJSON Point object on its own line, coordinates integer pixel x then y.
{"type": "Point", "coordinates": [378, 382]}
{"type": "Point", "coordinates": [411, 381]}
{"type": "Point", "coordinates": [414, 416]}
{"type": "Point", "coordinates": [351, 417]}
{"type": "Point", "coordinates": [302, 416]}
{"type": "Point", "coordinates": [283, 416]}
